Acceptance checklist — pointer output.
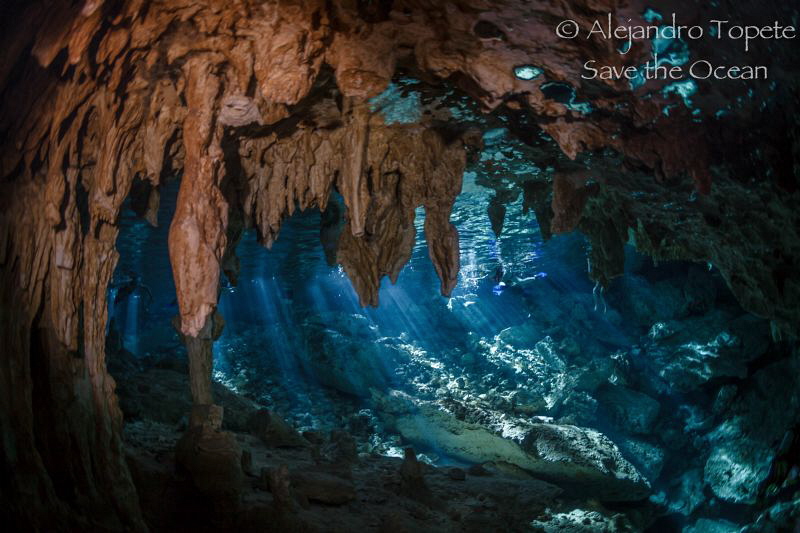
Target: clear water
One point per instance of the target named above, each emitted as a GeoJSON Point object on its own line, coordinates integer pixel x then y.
{"type": "Point", "coordinates": [520, 334]}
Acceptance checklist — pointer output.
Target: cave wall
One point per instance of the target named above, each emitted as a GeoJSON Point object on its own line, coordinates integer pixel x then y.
{"type": "Point", "coordinates": [263, 107]}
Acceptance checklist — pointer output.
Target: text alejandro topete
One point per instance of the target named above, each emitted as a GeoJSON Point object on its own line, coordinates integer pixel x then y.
{"type": "Point", "coordinates": [656, 68]}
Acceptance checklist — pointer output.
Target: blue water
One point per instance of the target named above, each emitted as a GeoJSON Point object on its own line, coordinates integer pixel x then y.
{"type": "Point", "coordinates": [525, 335]}
{"type": "Point", "coordinates": [523, 320]}
{"type": "Point", "coordinates": [293, 278]}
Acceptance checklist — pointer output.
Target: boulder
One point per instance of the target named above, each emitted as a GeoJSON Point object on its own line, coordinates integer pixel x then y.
{"type": "Point", "coordinates": [737, 464]}
{"type": "Point", "coordinates": [522, 336]}
{"type": "Point", "coordinates": [700, 290]}
{"type": "Point", "coordinates": [645, 456]}
{"type": "Point", "coordinates": [581, 521]}
{"type": "Point", "coordinates": [579, 459]}
{"type": "Point", "coordinates": [646, 302]}
{"type": "Point", "coordinates": [682, 356]}
{"type": "Point", "coordinates": [704, 525]}
{"type": "Point", "coordinates": [631, 411]}
{"type": "Point", "coordinates": [685, 494]}
{"type": "Point", "coordinates": [340, 351]}
{"type": "Point", "coordinates": [579, 408]}
{"type": "Point", "coordinates": [213, 458]}
{"type": "Point", "coordinates": [781, 517]}
{"type": "Point", "coordinates": [744, 445]}
{"type": "Point", "coordinates": [273, 430]}
{"type": "Point", "coordinates": [584, 459]}
{"type": "Point", "coordinates": [521, 351]}
{"type": "Point", "coordinates": [430, 428]}
{"type": "Point", "coordinates": [594, 373]}
{"type": "Point", "coordinates": [723, 399]}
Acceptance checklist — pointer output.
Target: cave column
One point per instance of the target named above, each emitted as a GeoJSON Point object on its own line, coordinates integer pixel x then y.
{"type": "Point", "coordinates": [197, 244]}
{"type": "Point", "coordinates": [197, 235]}
{"type": "Point", "coordinates": [199, 349]}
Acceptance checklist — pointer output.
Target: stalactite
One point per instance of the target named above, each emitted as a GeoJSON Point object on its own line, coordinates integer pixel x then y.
{"type": "Point", "coordinates": [383, 173]}
{"type": "Point", "coordinates": [197, 232]}
{"type": "Point", "coordinates": [352, 182]}
{"type": "Point", "coordinates": [569, 197]}
{"type": "Point", "coordinates": [442, 246]}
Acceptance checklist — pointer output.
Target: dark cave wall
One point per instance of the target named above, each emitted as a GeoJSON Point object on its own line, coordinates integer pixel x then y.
{"type": "Point", "coordinates": [60, 421]}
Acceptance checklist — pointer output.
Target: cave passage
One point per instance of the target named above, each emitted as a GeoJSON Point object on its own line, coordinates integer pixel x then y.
{"type": "Point", "coordinates": [398, 266]}
{"type": "Point", "coordinates": [651, 361]}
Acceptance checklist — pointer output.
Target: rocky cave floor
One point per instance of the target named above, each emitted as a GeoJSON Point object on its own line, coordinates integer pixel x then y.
{"type": "Point", "coordinates": [333, 488]}
{"type": "Point", "coordinates": [564, 422]}
{"type": "Point", "coordinates": [336, 488]}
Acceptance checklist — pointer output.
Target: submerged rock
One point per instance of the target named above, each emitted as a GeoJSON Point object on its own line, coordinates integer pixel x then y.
{"type": "Point", "coordinates": [736, 467]}
{"type": "Point", "coordinates": [579, 459]}
{"type": "Point", "coordinates": [646, 302]}
{"type": "Point", "coordinates": [341, 352]}
{"type": "Point", "coordinates": [645, 456]}
{"type": "Point", "coordinates": [212, 457]}
{"type": "Point", "coordinates": [594, 373]}
{"type": "Point", "coordinates": [705, 525]}
{"type": "Point", "coordinates": [524, 336]}
{"type": "Point", "coordinates": [744, 445]}
{"type": "Point", "coordinates": [273, 430]}
{"type": "Point", "coordinates": [570, 454]}
{"type": "Point", "coordinates": [522, 351]}
{"type": "Point", "coordinates": [783, 516]}
{"type": "Point", "coordinates": [698, 350]}
{"type": "Point", "coordinates": [686, 493]}
{"type": "Point", "coordinates": [581, 521]}
{"type": "Point", "coordinates": [631, 411]}
{"type": "Point", "coordinates": [578, 409]}
{"type": "Point", "coordinates": [723, 399]}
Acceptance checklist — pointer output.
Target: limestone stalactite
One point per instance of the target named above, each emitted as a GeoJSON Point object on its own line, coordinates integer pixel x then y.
{"type": "Point", "coordinates": [197, 233]}
{"type": "Point", "coordinates": [351, 181]}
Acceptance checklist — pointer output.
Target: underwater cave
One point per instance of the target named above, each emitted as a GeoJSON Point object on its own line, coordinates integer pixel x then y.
{"type": "Point", "coordinates": [396, 266]}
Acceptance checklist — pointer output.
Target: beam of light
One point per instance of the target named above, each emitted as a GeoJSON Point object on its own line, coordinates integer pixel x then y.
{"type": "Point", "coordinates": [130, 332]}
{"type": "Point", "coordinates": [289, 289]}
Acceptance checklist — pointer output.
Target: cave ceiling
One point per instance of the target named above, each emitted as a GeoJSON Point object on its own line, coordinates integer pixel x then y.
{"type": "Point", "coordinates": [267, 107]}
